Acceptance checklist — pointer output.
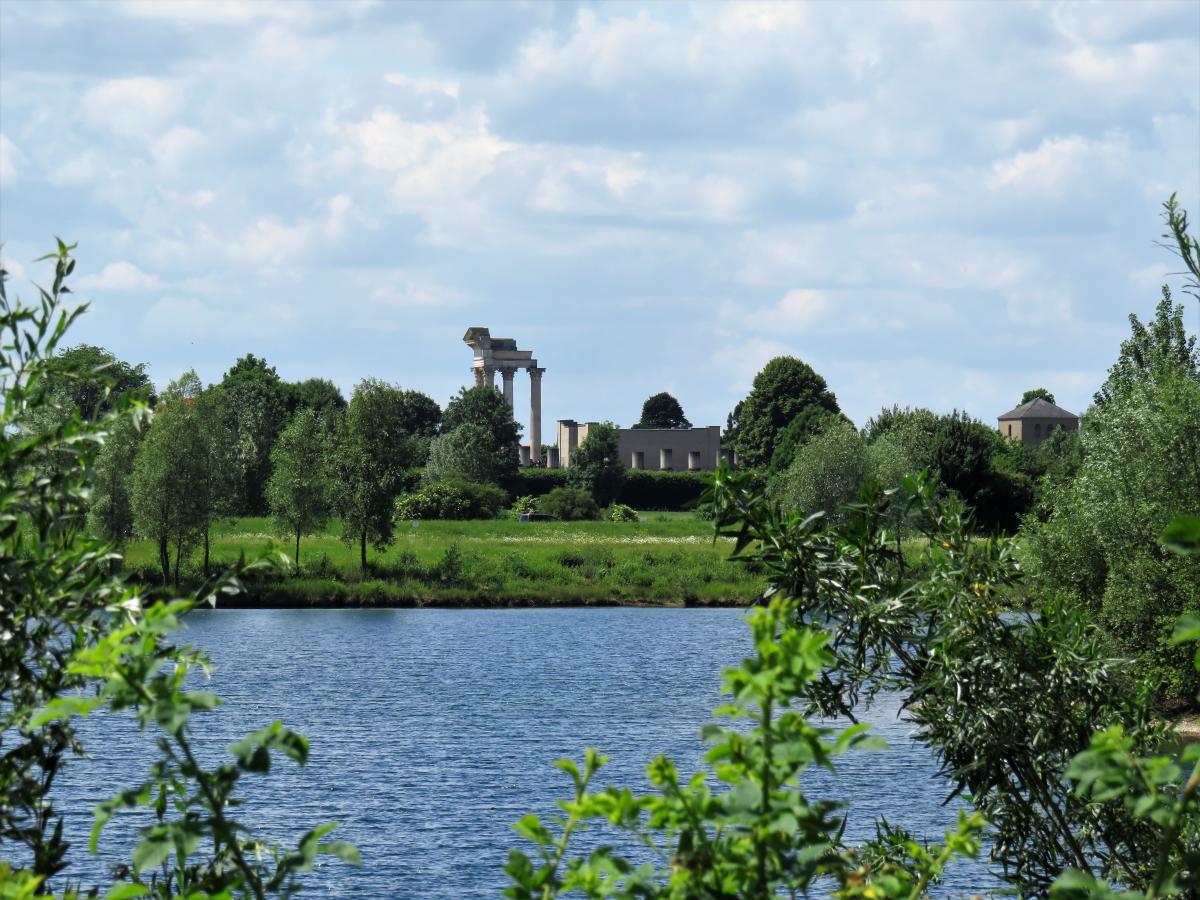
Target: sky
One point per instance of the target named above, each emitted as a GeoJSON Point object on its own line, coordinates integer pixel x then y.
{"type": "Point", "coordinates": [933, 204]}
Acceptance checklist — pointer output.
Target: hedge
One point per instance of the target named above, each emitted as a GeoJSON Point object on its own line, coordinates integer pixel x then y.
{"type": "Point", "coordinates": [643, 489]}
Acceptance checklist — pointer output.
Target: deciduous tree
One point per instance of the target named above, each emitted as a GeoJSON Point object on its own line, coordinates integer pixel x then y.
{"type": "Point", "coordinates": [662, 411]}
{"type": "Point", "coordinates": [596, 466]}
{"type": "Point", "coordinates": [258, 404]}
{"type": "Point", "coordinates": [374, 450]}
{"type": "Point", "coordinates": [486, 408]}
{"type": "Point", "coordinates": [167, 486]}
{"type": "Point", "coordinates": [1035, 393]}
{"type": "Point", "coordinates": [299, 491]}
{"type": "Point", "coordinates": [110, 515]}
{"type": "Point", "coordinates": [785, 387]}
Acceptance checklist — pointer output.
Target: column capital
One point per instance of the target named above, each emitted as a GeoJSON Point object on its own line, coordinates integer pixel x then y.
{"type": "Point", "coordinates": [535, 372]}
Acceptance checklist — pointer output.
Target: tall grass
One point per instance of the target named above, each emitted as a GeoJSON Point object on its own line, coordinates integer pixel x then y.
{"type": "Point", "coordinates": [666, 559]}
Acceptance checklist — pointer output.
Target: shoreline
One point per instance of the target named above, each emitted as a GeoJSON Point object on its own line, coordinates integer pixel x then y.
{"type": "Point", "coordinates": [282, 601]}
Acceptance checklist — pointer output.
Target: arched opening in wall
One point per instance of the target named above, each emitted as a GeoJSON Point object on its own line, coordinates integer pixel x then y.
{"type": "Point", "coordinates": [639, 459]}
{"type": "Point", "coordinates": [664, 459]}
{"type": "Point", "coordinates": [694, 460]}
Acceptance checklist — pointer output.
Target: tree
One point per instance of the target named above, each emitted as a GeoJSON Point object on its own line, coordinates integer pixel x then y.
{"type": "Point", "coordinates": [486, 408]}
{"type": "Point", "coordinates": [808, 424]}
{"type": "Point", "coordinates": [596, 466]}
{"type": "Point", "coordinates": [825, 473]}
{"type": "Point", "coordinates": [464, 453]}
{"type": "Point", "coordinates": [93, 380]}
{"type": "Point", "coordinates": [732, 427]}
{"type": "Point", "coordinates": [373, 452]}
{"type": "Point", "coordinates": [299, 490]}
{"type": "Point", "coordinates": [1140, 469]}
{"type": "Point", "coordinates": [1159, 349]}
{"type": "Point", "coordinates": [219, 492]}
{"type": "Point", "coordinates": [166, 487]}
{"type": "Point", "coordinates": [662, 411]}
{"type": "Point", "coordinates": [422, 419]}
{"type": "Point", "coordinates": [1035, 393]}
{"type": "Point", "coordinates": [110, 516]}
{"type": "Point", "coordinates": [258, 404]}
{"type": "Point", "coordinates": [784, 388]}
{"type": "Point", "coordinates": [420, 413]}
{"type": "Point", "coordinates": [320, 395]}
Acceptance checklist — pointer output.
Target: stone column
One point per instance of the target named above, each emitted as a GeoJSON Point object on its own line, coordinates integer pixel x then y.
{"type": "Point", "coordinates": [489, 376]}
{"type": "Point", "coordinates": [535, 414]}
{"type": "Point", "coordinates": [507, 373]}
{"type": "Point", "coordinates": [478, 373]}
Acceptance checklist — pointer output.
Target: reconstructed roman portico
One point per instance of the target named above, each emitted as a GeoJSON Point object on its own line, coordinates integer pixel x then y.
{"type": "Point", "coordinates": [502, 354]}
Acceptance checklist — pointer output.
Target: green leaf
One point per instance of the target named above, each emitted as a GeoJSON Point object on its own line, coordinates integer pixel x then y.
{"type": "Point", "coordinates": [150, 852]}
{"type": "Point", "coordinates": [343, 850]}
{"type": "Point", "coordinates": [125, 891]}
{"type": "Point", "coordinates": [64, 708]}
{"type": "Point", "coordinates": [1182, 536]}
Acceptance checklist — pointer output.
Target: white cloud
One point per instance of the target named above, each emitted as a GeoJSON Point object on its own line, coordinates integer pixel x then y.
{"type": "Point", "coordinates": [173, 150]}
{"type": "Point", "coordinates": [120, 276]}
{"type": "Point", "coordinates": [1059, 162]}
{"type": "Point", "coordinates": [403, 288]}
{"type": "Point", "coordinates": [273, 246]}
{"type": "Point", "coordinates": [131, 107]}
{"type": "Point", "coordinates": [11, 160]}
{"type": "Point", "coordinates": [241, 12]}
{"type": "Point", "coordinates": [424, 85]}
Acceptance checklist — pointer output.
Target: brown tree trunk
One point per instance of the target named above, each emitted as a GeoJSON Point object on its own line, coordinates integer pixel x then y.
{"type": "Point", "coordinates": [164, 559]}
{"type": "Point", "coordinates": [205, 551]}
{"type": "Point", "coordinates": [297, 551]}
{"type": "Point", "coordinates": [363, 551]}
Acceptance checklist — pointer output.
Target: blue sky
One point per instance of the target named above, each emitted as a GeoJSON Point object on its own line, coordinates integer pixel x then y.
{"type": "Point", "coordinates": [933, 204]}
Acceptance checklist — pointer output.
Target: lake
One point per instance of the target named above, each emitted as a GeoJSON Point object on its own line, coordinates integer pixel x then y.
{"type": "Point", "coordinates": [433, 730]}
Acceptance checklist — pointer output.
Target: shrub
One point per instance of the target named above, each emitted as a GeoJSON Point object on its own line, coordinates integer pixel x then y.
{"type": "Point", "coordinates": [452, 500]}
{"type": "Point", "coordinates": [619, 512]}
{"type": "Point", "coordinates": [569, 504]}
{"type": "Point", "coordinates": [1140, 469]}
{"type": "Point", "coordinates": [825, 473]}
{"type": "Point", "coordinates": [523, 505]}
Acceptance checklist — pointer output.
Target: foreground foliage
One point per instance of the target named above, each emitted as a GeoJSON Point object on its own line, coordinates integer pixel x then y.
{"type": "Point", "coordinates": [75, 638]}
{"type": "Point", "coordinates": [1050, 742]}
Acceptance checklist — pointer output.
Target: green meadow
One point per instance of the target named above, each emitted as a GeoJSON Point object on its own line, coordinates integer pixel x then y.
{"type": "Point", "coordinates": [664, 559]}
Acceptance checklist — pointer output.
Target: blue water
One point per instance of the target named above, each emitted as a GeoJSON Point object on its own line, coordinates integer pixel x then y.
{"type": "Point", "coordinates": [433, 730]}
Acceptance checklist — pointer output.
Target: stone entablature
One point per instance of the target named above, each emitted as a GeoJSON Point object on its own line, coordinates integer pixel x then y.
{"type": "Point", "coordinates": [656, 449]}
{"type": "Point", "coordinates": [1033, 422]}
{"type": "Point", "coordinates": [502, 353]}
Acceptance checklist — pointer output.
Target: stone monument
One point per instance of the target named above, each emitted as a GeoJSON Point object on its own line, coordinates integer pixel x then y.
{"type": "Point", "coordinates": [502, 353]}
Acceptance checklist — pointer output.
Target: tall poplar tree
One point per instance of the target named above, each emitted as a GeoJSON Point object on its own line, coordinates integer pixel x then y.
{"type": "Point", "coordinates": [299, 489]}
{"type": "Point", "coordinates": [374, 450]}
{"type": "Point", "coordinates": [166, 487]}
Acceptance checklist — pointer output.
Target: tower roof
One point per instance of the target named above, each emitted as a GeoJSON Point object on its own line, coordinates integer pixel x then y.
{"type": "Point", "coordinates": [1037, 408]}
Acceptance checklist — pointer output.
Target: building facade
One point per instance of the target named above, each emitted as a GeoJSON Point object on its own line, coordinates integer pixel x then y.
{"type": "Point", "coordinates": [656, 449]}
{"type": "Point", "coordinates": [1033, 422]}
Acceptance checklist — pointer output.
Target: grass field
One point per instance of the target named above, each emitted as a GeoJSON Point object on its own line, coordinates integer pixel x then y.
{"type": "Point", "coordinates": [665, 559]}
